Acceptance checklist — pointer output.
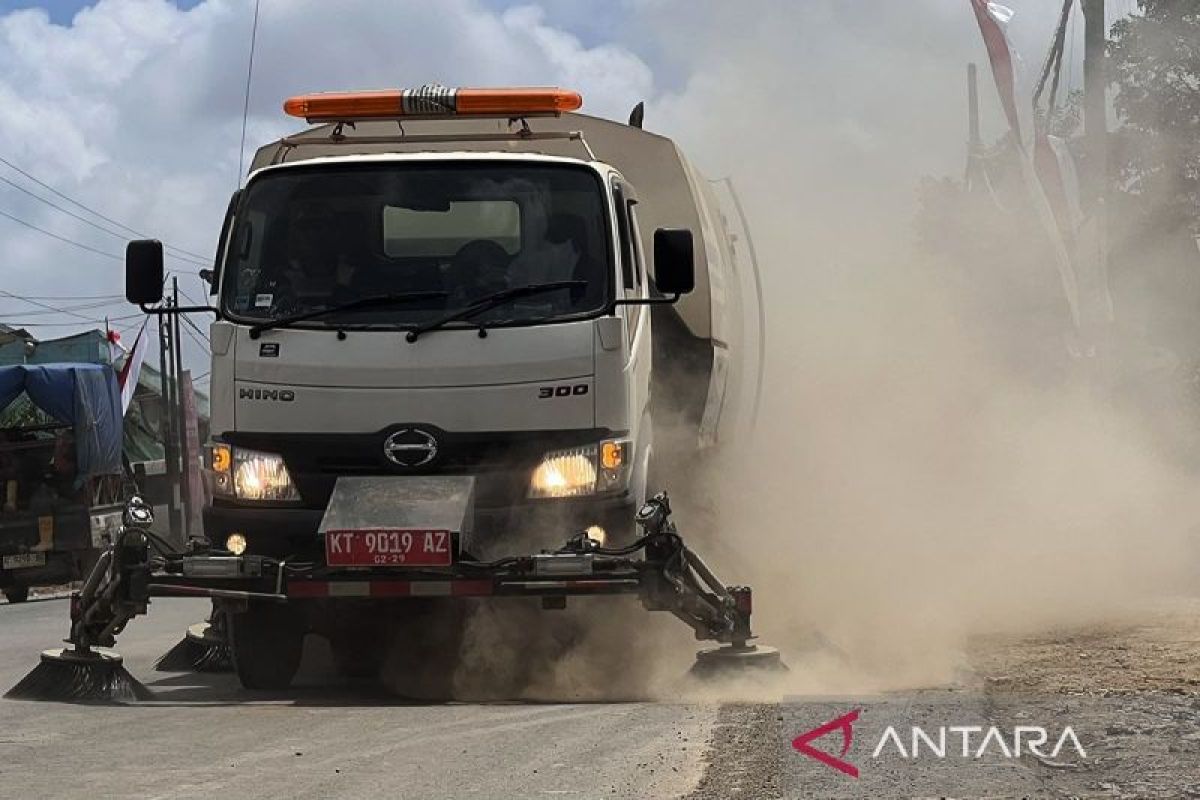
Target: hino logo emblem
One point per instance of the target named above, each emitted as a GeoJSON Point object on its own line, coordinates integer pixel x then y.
{"type": "Point", "coordinates": [410, 447]}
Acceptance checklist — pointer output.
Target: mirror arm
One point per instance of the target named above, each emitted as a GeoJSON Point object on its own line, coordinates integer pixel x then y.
{"type": "Point", "coordinates": [648, 301]}
{"type": "Point", "coordinates": [178, 310]}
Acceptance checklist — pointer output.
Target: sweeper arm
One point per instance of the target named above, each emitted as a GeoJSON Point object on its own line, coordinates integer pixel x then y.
{"type": "Point", "coordinates": [658, 567]}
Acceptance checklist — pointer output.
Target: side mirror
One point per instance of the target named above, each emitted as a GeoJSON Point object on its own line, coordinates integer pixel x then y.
{"type": "Point", "coordinates": [674, 261]}
{"type": "Point", "coordinates": [209, 277]}
{"type": "Point", "coordinates": [144, 271]}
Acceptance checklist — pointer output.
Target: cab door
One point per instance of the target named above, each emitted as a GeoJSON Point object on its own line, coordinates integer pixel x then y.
{"type": "Point", "coordinates": [632, 284]}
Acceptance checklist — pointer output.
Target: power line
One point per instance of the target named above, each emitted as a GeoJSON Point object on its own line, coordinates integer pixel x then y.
{"type": "Point", "coordinates": [189, 298]}
{"type": "Point", "coordinates": [66, 310]}
{"type": "Point", "coordinates": [80, 245]}
{"type": "Point", "coordinates": [80, 323]}
{"type": "Point", "coordinates": [194, 327]}
{"type": "Point", "coordinates": [86, 221]}
{"type": "Point", "coordinates": [202, 344]}
{"type": "Point", "coordinates": [78, 307]}
{"type": "Point", "coordinates": [93, 211]}
{"type": "Point", "coordinates": [47, 307]}
{"type": "Point", "coordinates": [58, 310]}
{"type": "Point", "coordinates": [72, 297]}
{"type": "Point", "coordinates": [246, 103]}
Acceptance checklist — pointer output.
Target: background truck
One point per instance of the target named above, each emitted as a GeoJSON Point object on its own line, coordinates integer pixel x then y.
{"type": "Point", "coordinates": [61, 487]}
{"type": "Point", "coordinates": [449, 284]}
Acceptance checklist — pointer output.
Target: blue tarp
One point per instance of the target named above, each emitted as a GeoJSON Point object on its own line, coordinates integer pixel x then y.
{"type": "Point", "coordinates": [86, 397]}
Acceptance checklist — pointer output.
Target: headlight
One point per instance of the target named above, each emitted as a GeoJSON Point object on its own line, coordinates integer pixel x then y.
{"type": "Point", "coordinates": [249, 474]}
{"type": "Point", "coordinates": [580, 471]}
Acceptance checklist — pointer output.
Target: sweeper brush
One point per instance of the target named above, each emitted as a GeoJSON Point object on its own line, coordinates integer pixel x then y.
{"type": "Point", "coordinates": [114, 592]}
{"type": "Point", "coordinates": [73, 676]}
{"type": "Point", "coordinates": [203, 648]}
{"type": "Point", "coordinates": [657, 567]}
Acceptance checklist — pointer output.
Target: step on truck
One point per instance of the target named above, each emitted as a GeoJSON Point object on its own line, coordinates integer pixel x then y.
{"type": "Point", "coordinates": [454, 327]}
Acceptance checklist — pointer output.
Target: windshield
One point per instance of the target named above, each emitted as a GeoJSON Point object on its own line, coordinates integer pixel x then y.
{"type": "Point", "coordinates": [308, 238]}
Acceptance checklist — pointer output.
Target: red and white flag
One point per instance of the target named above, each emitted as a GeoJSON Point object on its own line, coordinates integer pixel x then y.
{"type": "Point", "coordinates": [993, 20]}
{"type": "Point", "coordinates": [1048, 170]}
{"type": "Point", "coordinates": [127, 378]}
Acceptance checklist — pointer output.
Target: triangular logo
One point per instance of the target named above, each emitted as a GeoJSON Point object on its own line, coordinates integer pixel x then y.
{"type": "Point", "coordinates": [845, 724]}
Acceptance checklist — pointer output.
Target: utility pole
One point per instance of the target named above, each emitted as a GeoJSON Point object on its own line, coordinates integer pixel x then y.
{"type": "Point", "coordinates": [166, 363]}
{"type": "Point", "coordinates": [177, 408]}
{"type": "Point", "coordinates": [973, 106]}
{"type": "Point", "coordinates": [1095, 102]}
{"type": "Point", "coordinates": [1094, 185]}
{"type": "Point", "coordinates": [974, 143]}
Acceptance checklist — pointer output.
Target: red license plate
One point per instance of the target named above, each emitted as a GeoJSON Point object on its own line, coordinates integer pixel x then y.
{"type": "Point", "coordinates": [388, 547]}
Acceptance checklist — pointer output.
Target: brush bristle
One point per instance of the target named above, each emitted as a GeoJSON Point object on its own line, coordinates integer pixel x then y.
{"type": "Point", "coordinates": [75, 680]}
{"type": "Point", "coordinates": [214, 658]}
{"type": "Point", "coordinates": [191, 655]}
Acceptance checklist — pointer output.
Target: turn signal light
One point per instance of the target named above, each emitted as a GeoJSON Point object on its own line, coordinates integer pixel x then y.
{"type": "Point", "coordinates": [221, 458]}
{"type": "Point", "coordinates": [612, 454]}
{"type": "Point", "coordinates": [432, 101]}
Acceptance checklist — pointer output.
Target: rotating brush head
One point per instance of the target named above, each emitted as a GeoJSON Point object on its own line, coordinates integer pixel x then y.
{"type": "Point", "coordinates": [75, 676]}
{"type": "Point", "coordinates": [208, 652]}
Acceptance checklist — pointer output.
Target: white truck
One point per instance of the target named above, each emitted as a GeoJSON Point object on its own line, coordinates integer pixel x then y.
{"type": "Point", "coordinates": [446, 284]}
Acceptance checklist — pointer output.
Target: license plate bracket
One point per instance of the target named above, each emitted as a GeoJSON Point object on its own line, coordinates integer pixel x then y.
{"type": "Point", "coordinates": [389, 547]}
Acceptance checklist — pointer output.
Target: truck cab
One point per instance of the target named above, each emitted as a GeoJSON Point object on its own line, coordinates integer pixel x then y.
{"type": "Point", "coordinates": [482, 319]}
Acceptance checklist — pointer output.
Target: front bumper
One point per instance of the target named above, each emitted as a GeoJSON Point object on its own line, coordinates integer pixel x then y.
{"type": "Point", "coordinates": [273, 531]}
{"type": "Point", "coordinates": [291, 532]}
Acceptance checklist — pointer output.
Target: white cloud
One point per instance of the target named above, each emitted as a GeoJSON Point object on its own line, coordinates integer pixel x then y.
{"type": "Point", "coordinates": [135, 108]}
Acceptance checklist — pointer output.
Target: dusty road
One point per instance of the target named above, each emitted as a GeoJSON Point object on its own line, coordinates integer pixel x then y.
{"type": "Point", "coordinates": [1129, 689]}
{"type": "Point", "coordinates": [205, 737]}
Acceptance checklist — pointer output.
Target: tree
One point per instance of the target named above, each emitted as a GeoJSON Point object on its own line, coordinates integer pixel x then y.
{"type": "Point", "coordinates": [1155, 66]}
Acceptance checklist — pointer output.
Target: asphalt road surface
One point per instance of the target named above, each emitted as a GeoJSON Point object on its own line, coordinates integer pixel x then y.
{"type": "Point", "coordinates": [1130, 690]}
{"type": "Point", "coordinates": [205, 737]}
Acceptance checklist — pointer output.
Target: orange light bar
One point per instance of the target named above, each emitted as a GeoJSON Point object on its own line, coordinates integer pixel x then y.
{"type": "Point", "coordinates": [432, 101]}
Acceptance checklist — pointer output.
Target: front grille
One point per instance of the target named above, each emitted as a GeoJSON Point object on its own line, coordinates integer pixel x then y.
{"type": "Point", "coordinates": [348, 466]}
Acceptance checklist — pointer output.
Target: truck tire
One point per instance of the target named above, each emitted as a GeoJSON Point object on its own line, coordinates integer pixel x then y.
{"type": "Point", "coordinates": [16, 594]}
{"type": "Point", "coordinates": [267, 641]}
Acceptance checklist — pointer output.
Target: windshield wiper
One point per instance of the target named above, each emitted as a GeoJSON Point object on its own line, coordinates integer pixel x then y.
{"type": "Point", "coordinates": [492, 301]}
{"type": "Point", "coordinates": [374, 301]}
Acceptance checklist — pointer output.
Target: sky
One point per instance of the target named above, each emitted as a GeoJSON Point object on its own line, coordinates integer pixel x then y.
{"type": "Point", "coordinates": [134, 107]}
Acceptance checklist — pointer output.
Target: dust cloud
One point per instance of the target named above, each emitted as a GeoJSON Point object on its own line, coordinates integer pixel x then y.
{"type": "Point", "coordinates": [930, 462]}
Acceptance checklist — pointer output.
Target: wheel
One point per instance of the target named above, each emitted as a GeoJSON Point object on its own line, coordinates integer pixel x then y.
{"type": "Point", "coordinates": [17, 594]}
{"type": "Point", "coordinates": [268, 641]}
